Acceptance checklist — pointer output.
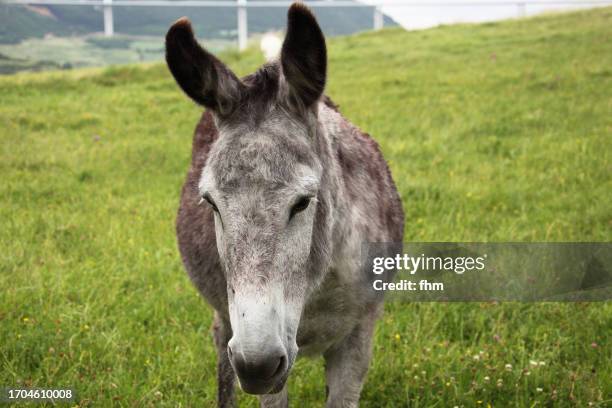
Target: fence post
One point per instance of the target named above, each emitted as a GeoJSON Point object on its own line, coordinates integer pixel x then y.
{"type": "Point", "coordinates": [108, 18]}
{"type": "Point", "coordinates": [521, 8]}
{"type": "Point", "coordinates": [242, 25]}
{"type": "Point", "coordinates": [379, 19]}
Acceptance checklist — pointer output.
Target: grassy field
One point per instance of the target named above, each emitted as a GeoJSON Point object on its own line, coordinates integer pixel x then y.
{"type": "Point", "coordinates": [494, 132]}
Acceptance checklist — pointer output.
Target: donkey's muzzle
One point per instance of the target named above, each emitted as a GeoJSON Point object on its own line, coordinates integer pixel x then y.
{"type": "Point", "coordinates": [259, 372]}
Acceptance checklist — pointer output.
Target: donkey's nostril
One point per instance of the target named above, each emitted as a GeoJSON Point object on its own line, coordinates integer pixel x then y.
{"type": "Point", "coordinates": [281, 366]}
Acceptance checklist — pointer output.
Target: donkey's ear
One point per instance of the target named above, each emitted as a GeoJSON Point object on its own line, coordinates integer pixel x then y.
{"type": "Point", "coordinates": [200, 74]}
{"type": "Point", "coordinates": [304, 56]}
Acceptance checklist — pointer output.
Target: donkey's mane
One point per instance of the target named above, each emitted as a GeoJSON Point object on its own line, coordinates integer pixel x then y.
{"type": "Point", "coordinates": [262, 92]}
{"type": "Point", "coordinates": [261, 89]}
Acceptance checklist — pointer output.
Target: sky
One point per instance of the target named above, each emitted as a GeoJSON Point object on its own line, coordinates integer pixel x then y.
{"type": "Point", "coordinates": [415, 17]}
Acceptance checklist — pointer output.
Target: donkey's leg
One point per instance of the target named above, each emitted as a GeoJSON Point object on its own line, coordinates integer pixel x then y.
{"type": "Point", "coordinates": [225, 372]}
{"type": "Point", "coordinates": [279, 400]}
{"type": "Point", "coordinates": [346, 365]}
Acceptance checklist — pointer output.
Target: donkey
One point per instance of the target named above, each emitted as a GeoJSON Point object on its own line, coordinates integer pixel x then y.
{"type": "Point", "coordinates": [281, 193]}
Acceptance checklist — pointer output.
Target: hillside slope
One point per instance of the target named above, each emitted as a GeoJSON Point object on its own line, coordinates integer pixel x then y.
{"type": "Point", "coordinates": [494, 132]}
{"type": "Point", "coordinates": [19, 22]}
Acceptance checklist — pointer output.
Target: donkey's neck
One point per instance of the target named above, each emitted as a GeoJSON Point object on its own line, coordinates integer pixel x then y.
{"type": "Point", "coordinates": [336, 134]}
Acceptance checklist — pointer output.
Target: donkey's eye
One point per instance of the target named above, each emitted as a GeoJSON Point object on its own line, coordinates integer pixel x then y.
{"type": "Point", "coordinates": [210, 202]}
{"type": "Point", "coordinates": [300, 206]}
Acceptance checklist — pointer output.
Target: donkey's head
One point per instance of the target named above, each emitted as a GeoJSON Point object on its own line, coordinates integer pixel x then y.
{"type": "Point", "coordinates": [264, 180]}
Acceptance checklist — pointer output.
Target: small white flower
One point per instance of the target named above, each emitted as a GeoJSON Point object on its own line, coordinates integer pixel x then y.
{"type": "Point", "coordinates": [542, 363]}
{"type": "Point", "coordinates": [508, 367]}
{"type": "Point", "coordinates": [487, 379]}
{"type": "Point", "coordinates": [476, 357]}
{"type": "Point", "coordinates": [539, 389]}
{"type": "Point", "coordinates": [533, 363]}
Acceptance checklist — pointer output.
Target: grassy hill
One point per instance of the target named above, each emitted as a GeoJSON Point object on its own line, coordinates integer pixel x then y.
{"type": "Point", "coordinates": [18, 22]}
{"type": "Point", "coordinates": [36, 38]}
{"type": "Point", "coordinates": [493, 132]}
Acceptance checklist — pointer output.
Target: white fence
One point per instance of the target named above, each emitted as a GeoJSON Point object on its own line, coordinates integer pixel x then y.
{"type": "Point", "coordinates": [243, 5]}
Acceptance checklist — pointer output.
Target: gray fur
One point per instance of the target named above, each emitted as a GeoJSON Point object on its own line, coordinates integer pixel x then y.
{"type": "Point", "coordinates": [280, 284]}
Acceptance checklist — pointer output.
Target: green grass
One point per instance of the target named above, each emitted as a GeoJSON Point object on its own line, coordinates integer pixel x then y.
{"type": "Point", "coordinates": [11, 65]}
{"type": "Point", "coordinates": [495, 132]}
